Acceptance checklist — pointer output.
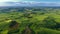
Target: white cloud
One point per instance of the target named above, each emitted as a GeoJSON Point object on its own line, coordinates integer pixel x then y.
{"type": "Point", "coordinates": [9, 0]}
{"type": "Point", "coordinates": [25, 3]}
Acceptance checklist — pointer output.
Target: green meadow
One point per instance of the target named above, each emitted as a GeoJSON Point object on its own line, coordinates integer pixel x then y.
{"type": "Point", "coordinates": [30, 21]}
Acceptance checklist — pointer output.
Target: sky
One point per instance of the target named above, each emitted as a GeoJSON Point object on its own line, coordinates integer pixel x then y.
{"type": "Point", "coordinates": [42, 2]}
{"type": "Point", "coordinates": [30, 0]}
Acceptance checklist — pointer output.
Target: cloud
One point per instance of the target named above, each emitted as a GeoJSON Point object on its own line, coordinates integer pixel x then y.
{"type": "Point", "coordinates": [26, 3]}
{"type": "Point", "coordinates": [10, 0]}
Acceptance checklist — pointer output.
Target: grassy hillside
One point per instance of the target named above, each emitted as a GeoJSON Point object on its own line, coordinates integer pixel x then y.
{"type": "Point", "coordinates": [30, 21]}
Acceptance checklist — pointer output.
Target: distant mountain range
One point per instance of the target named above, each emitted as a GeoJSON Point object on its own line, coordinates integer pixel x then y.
{"type": "Point", "coordinates": [30, 4]}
